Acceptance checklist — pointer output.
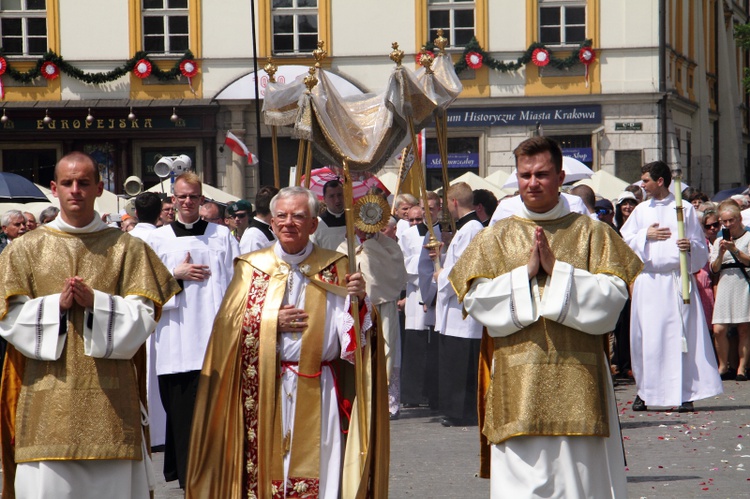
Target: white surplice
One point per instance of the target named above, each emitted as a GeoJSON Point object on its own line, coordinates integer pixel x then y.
{"type": "Point", "coordinates": [38, 336]}
{"type": "Point", "coordinates": [670, 345]}
{"type": "Point", "coordinates": [187, 318]}
{"type": "Point", "coordinates": [157, 417]}
{"type": "Point", "coordinates": [254, 239]}
{"type": "Point", "coordinates": [568, 467]}
{"type": "Point", "coordinates": [411, 245]}
{"type": "Point", "coordinates": [337, 325]}
{"type": "Point", "coordinates": [449, 319]}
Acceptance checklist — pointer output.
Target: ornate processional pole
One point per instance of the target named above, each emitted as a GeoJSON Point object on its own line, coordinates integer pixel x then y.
{"type": "Point", "coordinates": [270, 69]}
{"type": "Point", "coordinates": [358, 367]}
{"type": "Point", "coordinates": [441, 129]}
{"type": "Point", "coordinates": [397, 56]}
{"type": "Point", "coordinates": [310, 81]}
{"type": "Point", "coordinates": [684, 274]}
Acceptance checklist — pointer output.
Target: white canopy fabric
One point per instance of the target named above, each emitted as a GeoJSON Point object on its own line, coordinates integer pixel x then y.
{"type": "Point", "coordinates": [605, 184]}
{"type": "Point", "coordinates": [210, 192]}
{"type": "Point", "coordinates": [243, 88]}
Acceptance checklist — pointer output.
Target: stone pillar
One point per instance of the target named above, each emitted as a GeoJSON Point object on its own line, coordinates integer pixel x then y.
{"type": "Point", "coordinates": [234, 181]}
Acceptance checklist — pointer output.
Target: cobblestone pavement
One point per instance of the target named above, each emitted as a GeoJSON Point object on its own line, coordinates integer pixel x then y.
{"type": "Point", "coordinates": [670, 455]}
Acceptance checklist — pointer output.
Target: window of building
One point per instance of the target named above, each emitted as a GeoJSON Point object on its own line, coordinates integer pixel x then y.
{"type": "Point", "coordinates": [562, 23]}
{"type": "Point", "coordinates": [454, 17]}
{"type": "Point", "coordinates": [23, 26]}
{"type": "Point", "coordinates": [628, 165]}
{"type": "Point", "coordinates": [165, 26]}
{"type": "Point", "coordinates": [295, 26]}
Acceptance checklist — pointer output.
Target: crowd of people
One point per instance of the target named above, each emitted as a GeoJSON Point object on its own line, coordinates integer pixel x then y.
{"type": "Point", "coordinates": [233, 328]}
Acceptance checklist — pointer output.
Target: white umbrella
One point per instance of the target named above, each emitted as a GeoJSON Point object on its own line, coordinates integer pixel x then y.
{"type": "Point", "coordinates": [574, 171]}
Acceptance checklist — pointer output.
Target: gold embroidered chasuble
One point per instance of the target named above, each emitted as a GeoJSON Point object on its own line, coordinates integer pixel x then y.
{"type": "Point", "coordinates": [238, 412]}
{"type": "Point", "coordinates": [77, 407]}
{"type": "Point", "coordinates": [547, 365]}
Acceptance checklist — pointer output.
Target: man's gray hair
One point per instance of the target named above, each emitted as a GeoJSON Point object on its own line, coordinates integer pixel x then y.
{"type": "Point", "coordinates": [48, 214]}
{"type": "Point", "coordinates": [9, 216]}
{"type": "Point", "coordinates": [295, 191]}
{"type": "Point", "coordinates": [405, 197]}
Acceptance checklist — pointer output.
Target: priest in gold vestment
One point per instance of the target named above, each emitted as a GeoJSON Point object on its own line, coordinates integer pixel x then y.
{"type": "Point", "coordinates": [547, 284]}
{"type": "Point", "coordinates": [79, 300]}
{"type": "Point", "coordinates": [273, 399]}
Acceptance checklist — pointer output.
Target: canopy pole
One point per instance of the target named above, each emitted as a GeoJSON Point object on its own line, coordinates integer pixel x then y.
{"type": "Point", "coordinates": [359, 371]}
{"type": "Point", "coordinates": [433, 243]}
{"type": "Point", "coordinates": [271, 69]}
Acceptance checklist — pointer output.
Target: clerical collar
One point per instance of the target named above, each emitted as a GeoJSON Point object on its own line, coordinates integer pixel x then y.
{"type": "Point", "coordinates": [94, 226]}
{"type": "Point", "coordinates": [559, 211]}
{"type": "Point", "coordinates": [333, 220]}
{"type": "Point", "coordinates": [197, 228]}
{"type": "Point", "coordinates": [293, 259]}
{"type": "Point", "coordinates": [472, 215]}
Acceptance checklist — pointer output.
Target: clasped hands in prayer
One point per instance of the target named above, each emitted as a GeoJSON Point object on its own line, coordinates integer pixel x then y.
{"type": "Point", "coordinates": [294, 320]}
{"type": "Point", "coordinates": [541, 255]}
{"type": "Point", "coordinates": [76, 290]}
{"type": "Point", "coordinates": [656, 233]}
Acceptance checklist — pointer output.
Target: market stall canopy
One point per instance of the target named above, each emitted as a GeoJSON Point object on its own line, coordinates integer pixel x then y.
{"type": "Point", "coordinates": [243, 88]}
{"type": "Point", "coordinates": [605, 184]}
{"type": "Point", "coordinates": [477, 182]}
{"type": "Point", "coordinates": [499, 178]}
{"type": "Point", "coordinates": [210, 192]}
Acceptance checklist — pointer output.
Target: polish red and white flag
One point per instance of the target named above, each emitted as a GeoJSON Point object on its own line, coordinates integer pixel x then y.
{"type": "Point", "coordinates": [238, 147]}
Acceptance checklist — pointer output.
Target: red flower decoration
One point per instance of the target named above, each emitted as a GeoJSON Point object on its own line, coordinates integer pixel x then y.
{"type": "Point", "coordinates": [418, 58]}
{"type": "Point", "coordinates": [142, 68]}
{"type": "Point", "coordinates": [474, 60]}
{"type": "Point", "coordinates": [540, 57]}
{"type": "Point", "coordinates": [586, 55]}
{"type": "Point", "coordinates": [3, 65]}
{"type": "Point", "coordinates": [189, 68]}
{"type": "Point", "coordinates": [50, 70]}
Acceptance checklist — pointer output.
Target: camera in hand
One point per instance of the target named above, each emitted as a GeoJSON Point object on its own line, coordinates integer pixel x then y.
{"type": "Point", "coordinates": [725, 234]}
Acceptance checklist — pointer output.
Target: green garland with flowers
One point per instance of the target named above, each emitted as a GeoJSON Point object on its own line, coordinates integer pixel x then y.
{"type": "Point", "coordinates": [473, 47]}
{"type": "Point", "coordinates": [94, 78]}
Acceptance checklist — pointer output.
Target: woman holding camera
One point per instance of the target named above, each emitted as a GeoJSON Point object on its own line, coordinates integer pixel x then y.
{"type": "Point", "coordinates": [730, 258]}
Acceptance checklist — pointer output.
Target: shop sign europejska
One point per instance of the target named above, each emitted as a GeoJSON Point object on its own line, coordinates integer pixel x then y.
{"type": "Point", "coordinates": [526, 115]}
{"type": "Point", "coordinates": [455, 160]}
{"type": "Point", "coordinates": [109, 124]}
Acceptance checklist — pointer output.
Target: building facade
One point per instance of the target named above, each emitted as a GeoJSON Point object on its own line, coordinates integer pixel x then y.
{"type": "Point", "coordinates": [664, 81]}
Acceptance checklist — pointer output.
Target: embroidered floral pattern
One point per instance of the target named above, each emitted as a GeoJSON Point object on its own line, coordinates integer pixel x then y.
{"type": "Point", "coordinates": [302, 488]}
{"type": "Point", "coordinates": [249, 383]}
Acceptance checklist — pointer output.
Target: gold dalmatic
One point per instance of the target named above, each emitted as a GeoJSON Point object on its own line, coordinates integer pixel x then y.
{"type": "Point", "coordinates": [547, 379]}
{"type": "Point", "coordinates": [77, 407]}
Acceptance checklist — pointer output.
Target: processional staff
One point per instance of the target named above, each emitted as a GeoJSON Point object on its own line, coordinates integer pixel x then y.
{"type": "Point", "coordinates": [684, 274]}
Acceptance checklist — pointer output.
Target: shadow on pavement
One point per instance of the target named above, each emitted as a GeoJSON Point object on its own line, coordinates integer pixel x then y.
{"type": "Point", "coordinates": [668, 478]}
{"type": "Point", "coordinates": [631, 425]}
